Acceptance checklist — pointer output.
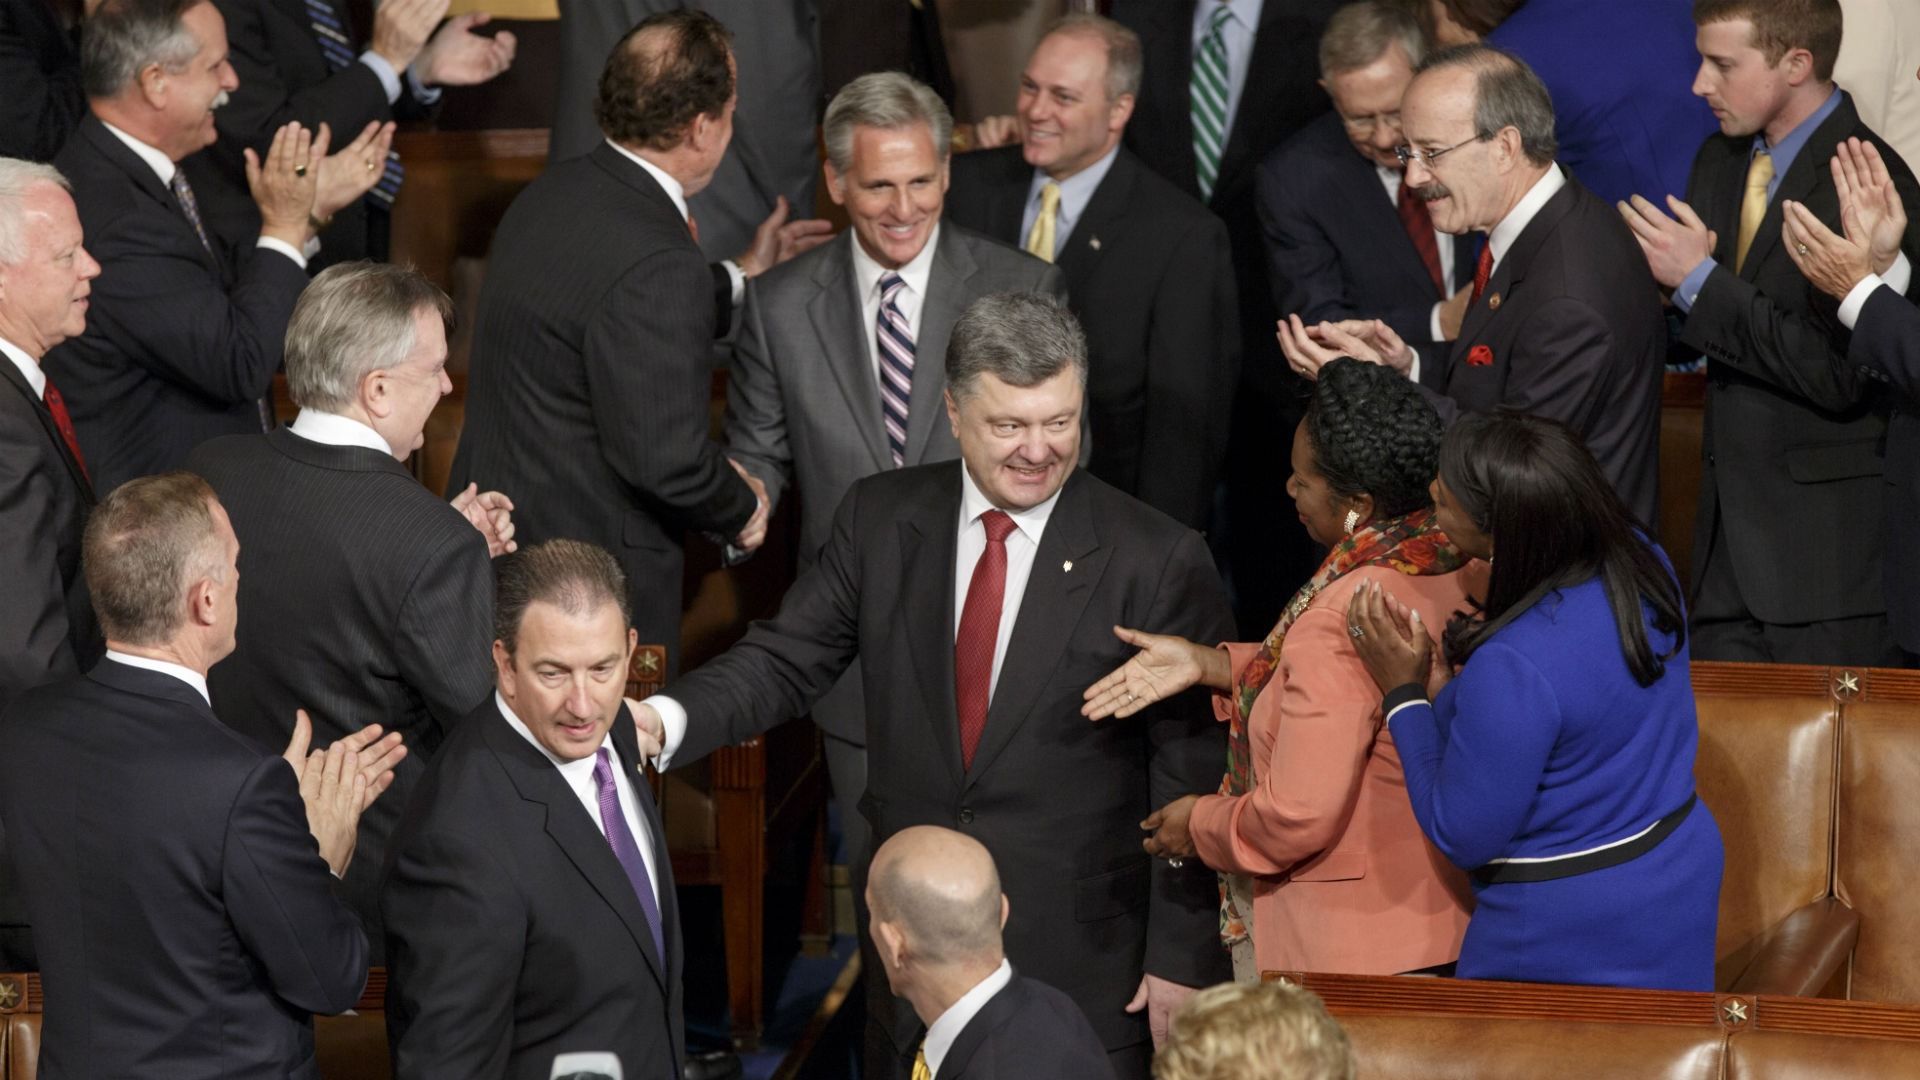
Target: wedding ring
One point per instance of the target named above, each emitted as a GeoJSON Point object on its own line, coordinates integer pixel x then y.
{"type": "Point", "coordinates": [299, 170]}
{"type": "Point", "coordinates": [1355, 632]}
{"type": "Point", "coordinates": [1129, 697]}
{"type": "Point", "coordinates": [369, 164]}
{"type": "Point", "coordinates": [1801, 248]}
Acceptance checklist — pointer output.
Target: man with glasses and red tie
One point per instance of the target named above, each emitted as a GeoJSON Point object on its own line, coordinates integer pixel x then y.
{"type": "Point", "coordinates": [1562, 319]}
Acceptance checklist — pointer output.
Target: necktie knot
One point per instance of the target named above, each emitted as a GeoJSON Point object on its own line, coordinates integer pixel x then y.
{"type": "Point", "coordinates": [890, 286]}
{"type": "Point", "coordinates": [998, 525]}
{"type": "Point", "coordinates": [1049, 197]}
{"type": "Point", "coordinates": [603, 770]}
{"type": "Point", "coordinates": [1040, 238]}
{"type": "Point", "coordinates": [1218, 20]}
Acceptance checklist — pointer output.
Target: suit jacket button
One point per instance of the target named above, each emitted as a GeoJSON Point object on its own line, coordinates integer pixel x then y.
{"type": "Point", "coordinates": [966, 815]}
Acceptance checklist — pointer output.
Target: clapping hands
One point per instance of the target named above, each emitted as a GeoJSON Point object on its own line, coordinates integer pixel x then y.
{"type": "Point", "coordinates": [339, 783]}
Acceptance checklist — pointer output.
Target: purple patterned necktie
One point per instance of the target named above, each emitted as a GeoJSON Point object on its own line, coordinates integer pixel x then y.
{"type": "Point", "coordinates": [896, 366]}
{"type": "Point", "coordinates": [620, 838]}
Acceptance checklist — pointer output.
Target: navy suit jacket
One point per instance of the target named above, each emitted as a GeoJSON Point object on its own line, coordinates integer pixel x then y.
{"type": "Point", "coordinates": [1886, 347]}
{"type": "Point", "coordinates": [1028, 1029]}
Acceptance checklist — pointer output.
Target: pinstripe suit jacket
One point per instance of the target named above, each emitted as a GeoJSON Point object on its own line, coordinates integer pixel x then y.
{"type": "Point", "coordinates": [364, 599]}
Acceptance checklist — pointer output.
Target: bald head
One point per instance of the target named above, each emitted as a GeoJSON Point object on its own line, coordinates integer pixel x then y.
{"type": "Point", "coordinates": [940, 889]}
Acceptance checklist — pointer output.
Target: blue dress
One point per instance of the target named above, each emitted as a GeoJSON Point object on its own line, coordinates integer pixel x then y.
{"type": "Point", "coordinates": [1545, 745]}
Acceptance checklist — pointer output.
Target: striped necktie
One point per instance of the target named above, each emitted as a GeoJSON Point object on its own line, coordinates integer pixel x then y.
{"type": "Point", "coordinates": [183, 192]}
{"type": "Point", "coordinates": [1209, 100]}
{"type": "Point", "coordinates": [330, 32]}
{"type": "Point", "coordinates": [896, 366]}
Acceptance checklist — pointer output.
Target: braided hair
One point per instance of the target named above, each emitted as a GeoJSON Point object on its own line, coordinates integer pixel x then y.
{"type": "Point", "coordinates": [1373, 434]}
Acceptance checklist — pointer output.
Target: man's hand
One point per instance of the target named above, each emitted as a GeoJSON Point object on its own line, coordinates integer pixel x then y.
{"type": "Point", "coordinates": [648, 728]}
{"type": "Point", "coordinates": [776, 239]}
{"type": "Point", "coordinates": [1453, 312]}
{"type": "Point", "coordinates": [1165, 665]}
{"type": "Point", "coordinates": [283, 186]}
{"type": "Point", "coordinates": [1834, 264]}
{"type": "Point", "coordinates": [1870, 206]}
{"type": "Point", "coordinates": [1674, 245]}
{"type": "Point", "coordinates": [1369, 339]}
{"type": "Point", "coordinates": [1160, 998]}
{"type": "Point", "coordinates": [491, 512]}
{"type": "Point", "coordinates": [401, 27]}
{"type": "Point", "coordinates": [992, 131]}
{"type": "Point", "coordinates": [378, 756]}
{"type": "Point", "coordinates": [334, 791]}
{"type": "Point", "coordinates": [456, 56]}
{"type": "Point", "coordinates": [351, 171]}
{"type": "Point", "coordinates": [754, 533]}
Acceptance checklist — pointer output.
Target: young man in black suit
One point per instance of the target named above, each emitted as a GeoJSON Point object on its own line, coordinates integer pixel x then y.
{"type": "Point", "coordinates": [366, 599]}
{"type": "Point", "coordinates": [181, 878]}
{"type": "Point", "coordinates": [1148, 269]}
{"type": "Point", "coordinates": [937, 916]}
{"type": "Point", "coordinates": [1563, 320]}
{"type": "Point", "coordinates": [529, 897]}
{"type": "Point", "coordinates": [1787, 548]}
{"type": "Point", "coordinates": [980, 598]}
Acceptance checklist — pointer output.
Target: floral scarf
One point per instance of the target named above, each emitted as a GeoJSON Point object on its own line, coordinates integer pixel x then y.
{"type": "Point", "coordinates": [1413, 545]}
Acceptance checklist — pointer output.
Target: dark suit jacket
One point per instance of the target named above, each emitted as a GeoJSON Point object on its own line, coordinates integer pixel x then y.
{"type": "Point", "coordinates": [1028, 1029]}
{"type": "Point", "coordinates": [1795, 439]}
{"type": "Point", "coordinates": [1571, 324]}
{"type": "Point", "coordinates": [1886, 346]}
{"type": "Point", "coordinates": [1335, 242]}
{"type": "Point", "coordinates": [40, 99]}
{"type": "Point", "coordinates": [1282, 94]}
{"type": "Point", "coordinates": [180, 344]}
{"type": "Point", "coordinates": [186, 922]}
{"type": "Point", "coordinates": [1150, 276]}
{"type": "Point", "coordinates": [513, 934]}
{"type": "Point", "coordinates": [364, 599]}
{"type": "Point", "coordinates": [1057, 800]}
{"type": "Point", "coordinates": [590, 378]}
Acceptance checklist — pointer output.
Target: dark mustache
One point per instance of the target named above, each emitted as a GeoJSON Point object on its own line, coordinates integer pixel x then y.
{"type": "Point", "coordinates": [1431, 192]}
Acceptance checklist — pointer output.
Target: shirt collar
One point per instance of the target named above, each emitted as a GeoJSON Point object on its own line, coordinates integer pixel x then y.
{"type": "Point", "coordinates": [867, 272]}
{"type": "Point", "coordinates": [574, 770]}
{"type": "Point", "coordinates": [29, 367]}
{"type": "Point", "coordinates": [1245, 12]}
{"type": "Point", "coordinates": [1523, 213]}
{"type": "Point", "coordinates": [165, 667]}
{"type": "Point", "coordinates": [1076, 191]}
{"type": "Point", "coordinates": [1788, 148]}
{"type": "Point", "coordinates": [973, 502]}
{"type": "Point", "coordinates": [161, 164]}
{"type": "Point", "coordinates": [674, 189]}
{"type": "Point", "coordinates": [948, 1025]}
{"type": "Point", "coordinates": [332, 429]}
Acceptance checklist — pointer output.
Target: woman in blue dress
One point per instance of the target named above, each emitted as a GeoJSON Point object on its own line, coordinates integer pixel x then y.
{"type": "Point", "coordinates": [1551, 755]}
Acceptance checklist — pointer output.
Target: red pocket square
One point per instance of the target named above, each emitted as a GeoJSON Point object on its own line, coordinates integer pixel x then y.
{"type": "Point", "coordinates": [1480, 356]}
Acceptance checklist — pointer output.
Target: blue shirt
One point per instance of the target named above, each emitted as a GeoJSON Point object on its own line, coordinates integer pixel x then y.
{"type": "Point", "coordinates": [1076, 192]}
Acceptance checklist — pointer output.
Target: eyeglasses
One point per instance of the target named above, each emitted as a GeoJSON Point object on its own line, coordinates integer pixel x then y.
{"type": "Point", "coordinates": [1409, 155]}
{"type": "Point", "coordinates": [1365, 125]}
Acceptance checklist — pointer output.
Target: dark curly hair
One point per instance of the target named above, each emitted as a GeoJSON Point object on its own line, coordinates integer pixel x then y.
{"type": "Point", "coordinates": [1373, 434]}
{"type": "Point", "coordinates": [670, 68]}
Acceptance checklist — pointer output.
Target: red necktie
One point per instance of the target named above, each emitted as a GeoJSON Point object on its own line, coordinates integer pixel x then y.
{"type": "Point", "coordinates": [57, 405]}
{"type": "Point", "coordinates": [1481, 272]}
{"type": "Point", "coordinates": [1419, 226]}
{"type": "Point", "coordinates": [979, 632]}
{"type": "Point", "coordinates": [693, 227]}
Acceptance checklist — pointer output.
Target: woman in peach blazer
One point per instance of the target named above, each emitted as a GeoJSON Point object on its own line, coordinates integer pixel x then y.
{"type": "Point", "coordinates": [1313, 825]}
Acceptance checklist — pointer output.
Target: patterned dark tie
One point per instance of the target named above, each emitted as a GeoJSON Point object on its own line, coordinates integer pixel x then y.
{"type": "Point", "coordinates": [183, 193]}
{"type": "Point", "coordinates": [614, 823]}
{"type": "Point", "coordinates": [896, 366]}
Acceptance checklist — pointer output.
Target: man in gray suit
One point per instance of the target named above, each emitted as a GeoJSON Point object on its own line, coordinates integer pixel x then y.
{"type": "Point", "coordinates": [838, 371]}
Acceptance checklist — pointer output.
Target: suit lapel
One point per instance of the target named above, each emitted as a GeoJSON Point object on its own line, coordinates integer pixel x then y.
{"type": "Point", "coordinates": [1169, 66]}
{"type": "Point", "coordinates": [972, 1037]}
{"type": "Point", "coordinates": [1809, 167]}
{"type": "Point", "coordinates": [1268, 56]}
{"type": "Point", "coordinates": [1106, 212]}
{"type": "Point", "coordinates": [122, 156]}
{"type": "Point", "coordinates": [45, 416]}
{"type": "Point", "coordinates": [835, 310]}
{"type": "Point", "coordinates": [948, 292]}
{"type": "Point", "coordinates": [929, 538]}
{"type": "Point", "coordinates": [1049, 609]}
{"type": "Point", "coordinates": [1513, 268]}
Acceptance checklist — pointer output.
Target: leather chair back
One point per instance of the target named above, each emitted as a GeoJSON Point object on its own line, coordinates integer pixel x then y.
{"type": "Point", "coordinates": [1488, 1048]}
{"type": "Point", "coordinates": [1878, 839]}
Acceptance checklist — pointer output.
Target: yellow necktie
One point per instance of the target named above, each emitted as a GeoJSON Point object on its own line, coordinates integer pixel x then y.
{"type": "Point", "coordinates": [1040, 239]}
{"type": "Point", "coordinates": [920, 1070]}
{"type": "Point", "coordinates": [1754, 206]}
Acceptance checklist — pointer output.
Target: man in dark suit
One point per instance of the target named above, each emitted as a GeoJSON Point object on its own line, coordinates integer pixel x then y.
{"type": "Point", "coordinates": [1147, 267]}
{"type": "Point", "coordinates": [366, 599]}
{"type": "Point", "coordinates": [1787, 557]}
{"type": "Point", "coordinates": [40, 99]}
{"type": "Point", "coordinates": [980, 598]}
{"type": "Point", "coordinates": [184, 335]}
{"type": "Point", "coordinates": [301, 61]}
{"type": "Point", "coordinates": [180, 890]}
{"type": "Point", "coordinates": [529, 898]}
{"type": "Point", "coordinates": [1340, 251]}
{"type": "Point", "coordinates": [826, 388]}
{"type": "Point", "coordinates": [1563, 320]}
{"type": "Point", "coordinates": [591, 368]}
{"type": "Point", "coordinates": [47, 629]}
{"type": "Point", "coordinates": [937, 916]}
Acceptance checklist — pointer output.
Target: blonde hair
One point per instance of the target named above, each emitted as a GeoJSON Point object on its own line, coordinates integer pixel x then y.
{"type": "Point", "coordinates": [1254, 1031]}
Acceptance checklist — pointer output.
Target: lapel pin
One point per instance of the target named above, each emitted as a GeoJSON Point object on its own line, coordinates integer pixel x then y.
{"type": "Point", "coordinates": [1094, 243]}
{"type": "Point", "coordinates": [1493, 302]}
{"type": "Point", "coordinates": [1067, 567]}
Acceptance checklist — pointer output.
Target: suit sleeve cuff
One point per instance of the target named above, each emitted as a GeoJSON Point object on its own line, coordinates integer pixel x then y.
{"type": "Point", "coordinates": [1401, 697]}
{"type": "Point", "coordinates": [299, 258]}
{"type": "Point", "coordinates": [389, 79]}
{"type": "Point", "coordinates": [1433, 323]}
{"type": "Point", "coordinates": [673, 717]}
{"type": "Point", "coordinates": [1690, 286]}
{"type": "Point", "coordinates": [1857, 299]}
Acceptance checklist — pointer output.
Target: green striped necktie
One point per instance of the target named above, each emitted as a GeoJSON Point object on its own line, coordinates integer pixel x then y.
{"type": "Point", "coordinates": [1209, 100]}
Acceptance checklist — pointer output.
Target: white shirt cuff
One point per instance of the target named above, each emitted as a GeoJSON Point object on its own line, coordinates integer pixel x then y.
{"type": "Point", "coordinates": [739, 279]}
{"type": "Point", "coordinates": [284, 248]}
{"type": "Point", "coordinates": [1433, 323]}
{"type": "Point", "coordinates": [1899, 275]}
{"type": "Point", "coordinates": [1850, 307]}
{"type": "Point", "coordinates": [389, 80]}
{"type": "Point", "coordinates": [673, 717]}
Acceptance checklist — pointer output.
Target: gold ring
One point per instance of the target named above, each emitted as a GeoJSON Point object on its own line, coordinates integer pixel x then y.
{"type": "Point", "coordinates": [369, 164]}
{"type": "Point", "coordinates": [299, 170]}
{"type": "Point", "coordinates": [1801, 248]}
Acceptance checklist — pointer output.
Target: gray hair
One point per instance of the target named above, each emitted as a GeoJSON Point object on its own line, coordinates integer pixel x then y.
{"type": "Point", "coordinates": [17, 178]}
{"type": "Point", "coordinates": [124, 37]}
{"type": "Point", "coordinates": [1507, 94]}
{"type": "Point", "coordinates": [1359, 34]}
{"type": "Point", "coordinates": [886, 100]}
{"type": "Point", "coordinates": [572, 575]}
{"type": "Point", "coordinates": [1124, 61]}
{"type": "Point", "coordinates": [1022, 339]}
{"type": "Point", "coordinates": [354, 318]}
{"type": "Point", "coordinates": [144, 544]}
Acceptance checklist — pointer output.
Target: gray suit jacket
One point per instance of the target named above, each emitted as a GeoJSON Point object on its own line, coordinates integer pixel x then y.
{"type": "Point", "coordinates": [803, 407]}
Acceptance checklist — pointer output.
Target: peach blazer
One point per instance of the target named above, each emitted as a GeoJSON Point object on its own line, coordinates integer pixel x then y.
{"type": "Point", "coordinates": [1343, 879]}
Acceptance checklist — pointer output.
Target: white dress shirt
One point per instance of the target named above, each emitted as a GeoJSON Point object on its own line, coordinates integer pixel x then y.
{"type": "Point", "coordinates": [332, 429]}
{"type": "Point", "coordinates": [866, 283]}
{"type": "Point", "coordinates": [164, 168]}
{"type": "Point", "coordinates": [1238, 33]}
{"type": "Point", "coordinates": [1076, 192]}
{"type": "Point", "coordinates": [165, 667]}
{"type": "Point", "coordinates": [948, 1025]}
{"type": "Point", "coordinates": [735, 276]}
{"type": "Point", "coordinates": [1022, 544]}
{"type": "Point", "coordinates": [1501, 239]}
{"type": "Point", "coordinates": [579, 776]}
{"type": "Point", "coordinates": [29, 367]}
